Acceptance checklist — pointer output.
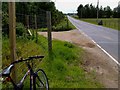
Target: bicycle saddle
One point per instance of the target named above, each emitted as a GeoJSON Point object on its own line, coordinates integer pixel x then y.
{"type": "Point", "coordinates": [6, 72]}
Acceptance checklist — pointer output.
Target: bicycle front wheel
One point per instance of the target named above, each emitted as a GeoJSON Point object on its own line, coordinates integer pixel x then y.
{"type": "Point", "coordinates": [41, 80]}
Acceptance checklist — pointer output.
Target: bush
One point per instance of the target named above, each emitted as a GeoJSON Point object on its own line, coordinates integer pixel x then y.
{"type": "Point", "coordinates": [5, 24]}
{"type": "Point", "coordinates": [20, 29]}
{"type": "Point", "coordinates": [63, 25]}
{"type": "Point", "coordinates": [100, 22]}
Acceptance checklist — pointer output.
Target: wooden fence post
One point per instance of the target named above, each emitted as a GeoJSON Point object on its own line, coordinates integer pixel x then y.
{"type": "Point", "coordinates": [48, 14]}
{"type": "Point", "coordinates": [27, 24]}
{"type": "Point", "coordinates": [12, 35]}
{"type": "Point", "coordinates": [36, 28]}
{"type": "Point", "coordinates": [27, 21]}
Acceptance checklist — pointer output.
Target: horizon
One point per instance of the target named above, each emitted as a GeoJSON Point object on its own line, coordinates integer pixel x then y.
{"type": "Point", "coordinates": [71, 6]}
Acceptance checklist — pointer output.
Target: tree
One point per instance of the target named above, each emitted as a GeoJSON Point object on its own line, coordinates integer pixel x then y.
{"type": "Point", "coordinates": [80, 11]}
{"type": "Point", "coordinates": [87, 11]}
{"type": "Point", "coordinates": [101, 12]}
{"type": "Point", "coordinates": [5, 18]}
{"type": "Point", "coordinates": [119, 10]}
{"type": "Point", "coordinates": [108, 12]}
{"type": "Point", "coordinates": [115, 12]}
{"type": "Point", "coordinates": [90, 11]}
{"type": "Point", "coordinates": [32, 8]}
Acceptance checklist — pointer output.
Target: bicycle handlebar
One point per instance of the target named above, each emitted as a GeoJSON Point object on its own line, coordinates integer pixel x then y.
{"type": "Point", "coordinates": [29, 58]}
{"type": "Point", "coordinates": [7, 71]}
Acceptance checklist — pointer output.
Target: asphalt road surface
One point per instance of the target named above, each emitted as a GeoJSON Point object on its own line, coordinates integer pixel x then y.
{"type": "Point", "coordinates": [106, 38]}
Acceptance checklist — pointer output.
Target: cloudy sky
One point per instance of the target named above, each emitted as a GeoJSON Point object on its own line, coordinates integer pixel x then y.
{"type": "Point", "coordinates": [67, 6]}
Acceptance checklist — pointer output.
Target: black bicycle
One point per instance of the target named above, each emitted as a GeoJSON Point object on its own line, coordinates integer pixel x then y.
{"type": "Point", "coordinates": [38, 79]}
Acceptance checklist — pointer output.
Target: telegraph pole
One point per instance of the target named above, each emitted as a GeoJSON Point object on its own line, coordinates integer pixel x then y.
{"type": "Point", "coordinates": [97, 10]}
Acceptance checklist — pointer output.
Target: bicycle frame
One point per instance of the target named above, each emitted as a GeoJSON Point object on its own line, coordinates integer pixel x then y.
{"type": "Point", "coordinates": [30, 71]}
{"type": "Point", "coordinates": [20, 84]}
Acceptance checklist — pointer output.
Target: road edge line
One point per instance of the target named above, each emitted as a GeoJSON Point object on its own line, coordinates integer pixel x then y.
{"type": "Point", "coordinates": [102, 49]}
{"type": "Point", "coordinates": [99, 46]}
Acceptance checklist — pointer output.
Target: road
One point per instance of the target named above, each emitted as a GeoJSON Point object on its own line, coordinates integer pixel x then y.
{"type": "Point", "coordinates": [105, 38]}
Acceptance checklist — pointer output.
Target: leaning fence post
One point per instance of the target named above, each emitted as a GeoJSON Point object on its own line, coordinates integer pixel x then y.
{"type": "Point", "coordinates": [12, 35]}
{"type": "Point", "coordinates": [48, 14]}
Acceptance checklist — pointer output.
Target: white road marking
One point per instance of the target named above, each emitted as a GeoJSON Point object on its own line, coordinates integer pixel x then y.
{"type": "Point", "coordinates": [99, 47]}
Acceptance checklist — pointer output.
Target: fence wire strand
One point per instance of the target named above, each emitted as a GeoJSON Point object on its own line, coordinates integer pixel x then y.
{"type": "Point", "coordinates": [25, 44]}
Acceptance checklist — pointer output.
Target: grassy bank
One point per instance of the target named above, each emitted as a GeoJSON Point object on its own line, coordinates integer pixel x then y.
{"type": "Point", "coordinates": [64, 25]}
{"type": "Point", "coordinates": [107, 22]}
{"type": "Point", "coordinates": [64, 70]}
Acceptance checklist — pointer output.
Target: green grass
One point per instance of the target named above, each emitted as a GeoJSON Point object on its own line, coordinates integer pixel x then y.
{"type": "Point", "coordinates": [107, 22]}
{"type": "Point", "coordinates": [64, 69]}
{"type": "Point", "coordinates": [64, 25]}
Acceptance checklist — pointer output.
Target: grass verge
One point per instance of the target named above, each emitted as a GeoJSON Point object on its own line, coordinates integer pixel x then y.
{"type": "Point", "coordinates": [107, 22]}
{"type": "Point", "coordinates": [64, 70]}
{"type": "Point", "coordinates": [64, 25]}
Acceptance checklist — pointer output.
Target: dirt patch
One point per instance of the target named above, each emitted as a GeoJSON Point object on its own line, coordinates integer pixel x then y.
{"type": "Point", "coordinates": [90, 45]}
{"type": "Point", "coordinates": [94, 60]}
{"type": "Point", "coordinates": [106, 70]}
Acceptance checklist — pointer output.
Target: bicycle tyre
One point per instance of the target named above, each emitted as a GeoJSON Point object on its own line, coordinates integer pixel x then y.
{"type": "Point", "coordinates": [41, 80]}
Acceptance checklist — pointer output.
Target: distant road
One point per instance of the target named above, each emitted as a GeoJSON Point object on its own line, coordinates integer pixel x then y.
{"type": "Point", "coordinates": [106, 38]}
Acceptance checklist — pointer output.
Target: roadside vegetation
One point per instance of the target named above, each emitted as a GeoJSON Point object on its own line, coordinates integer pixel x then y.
{"type": "Point", "coordinates": [64, 25]}
{"type": "Point", "coordinates": [107, 22]}
{"type": "Point", "coordinates": [63, 70]}
{"type": "Point", "coordinates": [65, 67]}
{"type": "Point", "coordinates": [110, 17]}
{"type": "Point", "coordinates": [90, 11]}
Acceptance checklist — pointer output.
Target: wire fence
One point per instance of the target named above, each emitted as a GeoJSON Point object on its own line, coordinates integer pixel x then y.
{"type": "Point", "coordinates": [27, 27]}
{"type": "Point", "coordinates": [32, 23]}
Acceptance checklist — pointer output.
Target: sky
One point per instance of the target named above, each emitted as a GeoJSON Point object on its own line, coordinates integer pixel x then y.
{"type": "Point", "coordinates": [70, 6]}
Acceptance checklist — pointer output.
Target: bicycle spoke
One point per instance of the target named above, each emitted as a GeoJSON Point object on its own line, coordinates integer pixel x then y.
{"type": "Point", "coordinates": [41, 80]}
{"type": "Point", "coordinates": [41, 83]}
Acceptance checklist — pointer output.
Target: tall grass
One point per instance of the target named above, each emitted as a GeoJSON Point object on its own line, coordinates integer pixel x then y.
{"type": "Point", "coordinates": [64, 69]}
{"type": "Point", "coordinates": [107, 22]}
{"type": "Point", "coordinates": [64, 25]}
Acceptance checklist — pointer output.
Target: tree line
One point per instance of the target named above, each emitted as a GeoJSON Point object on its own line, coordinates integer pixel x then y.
{"type": "Point", "coordinates": [33, 8]}
{"type": "Point", "coordinates": [90, 11]}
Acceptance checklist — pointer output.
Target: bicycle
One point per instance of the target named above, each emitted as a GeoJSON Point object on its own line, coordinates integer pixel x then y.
{"type": "Point", "coordinates": [36, 82]}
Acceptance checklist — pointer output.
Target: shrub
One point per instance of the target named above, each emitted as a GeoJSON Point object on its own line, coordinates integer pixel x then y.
{"type": "Point", "coordinates": [20, 29]}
